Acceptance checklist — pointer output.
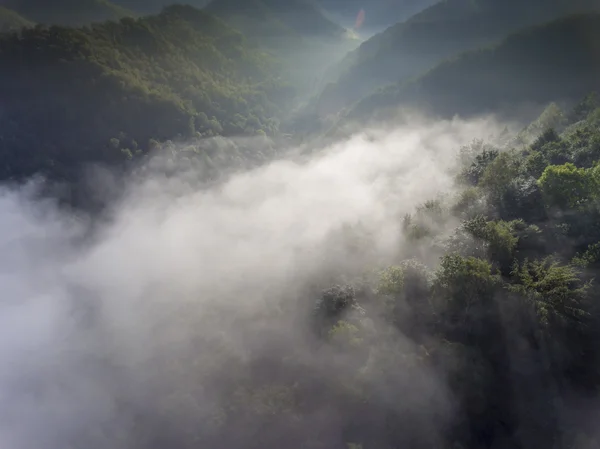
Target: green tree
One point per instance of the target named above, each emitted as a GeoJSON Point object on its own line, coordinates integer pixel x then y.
{"type": "Point", "coordinates": [463, 292]}
{"type": "Point", "coordinates": [566, 186]}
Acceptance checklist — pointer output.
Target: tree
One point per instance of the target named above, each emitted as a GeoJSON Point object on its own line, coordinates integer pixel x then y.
{"type": "Point", "coordinates": [566, 186]}
{"type": "Point", "coordinates": [463, 291]}
{"type": "Point", "coordinates": [406, 288]}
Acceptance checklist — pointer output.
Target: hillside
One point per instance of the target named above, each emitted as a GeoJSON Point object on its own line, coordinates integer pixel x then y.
{"type": "Point", "coordinates": [68, 12]}
{"type": "Point", "coordinates": [155, 6]}
{"type": "Point", "coordinates": [102, 93]}
{"type": "Point", "coordinates": [296, 32]}
{"type": "Point", "coordinates": [276, 19]}
{"type": "Point", "coordinates": [12, 21]}
{"type": "Point", "coordinates": [378, 13]}
{"type": "Point", "coordinates": [446, 28]}
{"type": "Point", "coordinates": [557, 61]}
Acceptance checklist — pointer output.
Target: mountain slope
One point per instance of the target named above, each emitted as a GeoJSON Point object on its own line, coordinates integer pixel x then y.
{"type": "Point", "coordinates": [276, 18]}
{"type": "Point", "coordinates": [556, 61]}
{"type": "Point", "coordinates": [12, 21]}
{"type": "Point", "coordinates": [449, 27]}
{"type": "Point", "coordinates": [79, 95]}
{"type": "Point", "coordinates": [155, 6]}
{"type": "Point", "coordinates": [297, 32]}
{"type": "Point", "coordinates": [378, 13]}
{"type": "Point", "coordinates": [68, 12]}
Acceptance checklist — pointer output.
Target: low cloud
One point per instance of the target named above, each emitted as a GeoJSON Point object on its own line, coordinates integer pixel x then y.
{"type": "Point", "coordinates": [143, 319]}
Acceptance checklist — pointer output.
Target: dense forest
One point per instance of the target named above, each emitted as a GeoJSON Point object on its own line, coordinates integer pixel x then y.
{"type": "Point", "coordinates": [274, 18]}
{"type": "Point", "coordinates": [550, 62]}
{"type": "Point", "coordinates": [409, 48]}
{"type": "Point", "coordinates": [103, 92]}
{"type": "Point", "coordinates": [68, 12]}
{"type": "Point", "coordinates": [247, 259]}
{"type": "Point", "coordinates": [297, 32]}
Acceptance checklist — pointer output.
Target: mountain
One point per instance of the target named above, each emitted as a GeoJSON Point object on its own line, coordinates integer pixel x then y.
{"type": "Point", "coordinates": [552, 62]}
{"type": "Point", "coordinates": [274, 19]}
{"type": "Point", "coordinates": [12, 21]}
{"type": "Point", "coordinates": [68, 12]}
{"type": "Point", "coordinates": [99, 93]}
{"type": "Point", "coordinates": [297, 32]}
{"type": "Point", "coordinates": [378, 14]}
{"type": "Point", "coordinates": [155, 6]}
{"type": "Point", "coordinates": [442, 30]}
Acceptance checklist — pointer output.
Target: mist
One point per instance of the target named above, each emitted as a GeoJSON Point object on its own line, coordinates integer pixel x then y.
{"type": "Point", "coordinates": [143, 324]}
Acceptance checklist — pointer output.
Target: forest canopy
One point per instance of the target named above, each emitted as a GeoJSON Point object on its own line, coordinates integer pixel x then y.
{"type": "Point", "coordinates": [234, 277]}
{"type": "Point", "coordinates": [551, 62]}
{"type": "Point", "coordinates": [91, 93]}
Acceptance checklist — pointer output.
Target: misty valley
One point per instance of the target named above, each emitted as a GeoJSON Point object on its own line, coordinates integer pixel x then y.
{"type": "Point", "coordinates": [303, 224]}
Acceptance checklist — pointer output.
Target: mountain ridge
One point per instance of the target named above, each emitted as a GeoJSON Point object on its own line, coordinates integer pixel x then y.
{"type": "Point", "coordinates": [68, 12]}
{"type": "Point", "coordinates": [449, 27]}
{"type": "Point", "coordinates": [546, 62]}
{"type": "Point", "coordinates": [91, 93]}
{"type": "Point", "coordinates": [12, 21]}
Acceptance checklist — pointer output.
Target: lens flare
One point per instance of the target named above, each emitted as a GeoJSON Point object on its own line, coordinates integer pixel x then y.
{"type": "Point", "coordinates": [360, 18]}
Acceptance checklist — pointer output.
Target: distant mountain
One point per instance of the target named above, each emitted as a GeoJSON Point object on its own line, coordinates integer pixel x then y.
{"type": "Point", "coordinates": [297, 32]}
{"type": "Point", "coordinates": [155, 6]}
{"type": "Point", "coordinates": [68, 12]}
{"type": "Point", "coordinates": [377, 13]}
{"type": "Point", "coordinates": [77, 95]}
{"type": "Point", "coordinates": [12, 21]}
{"type": "Point", "coordinates": [442, 30]}
{"type": "Point", "coordinates": [275, 19]}
{"type": "Point", "coordinates": [553, 62]}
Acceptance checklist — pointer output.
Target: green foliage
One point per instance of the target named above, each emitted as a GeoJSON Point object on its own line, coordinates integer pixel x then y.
{"type": "Point", "coordinates": [408, 49]}
{"type": "Point", "coordinates": [555, 289]}
{"type": "Point", "coordinates": [504, 326]}
{"type": "Point", "coordinates": [426, 222]}
{"type": "Point", "coordinates": [502, 169]}
{"type": "Point", "coordinates": [463, 290]}
{"type": "Point", "coordinates": [590, 257]}
{"type": "Point", "coordinates": [344, 333]}
{"type": "Point", "coordinates": [391, 281]}
{"type": "Point", "coordinates": [336, 302]}
{"type": "Point", "coordinates": [567, 186]}
{"type": "Point", "coordinates": [584, 108]}
{"type": "Point", "coordinates": [507, 322]}
{"type": "Point", "coordinates": [499, 237]}
{"type": "Point", "coordinates": [475, 171]}
{"type": "Point", "coordinates": [161, 77]}
{"type": "Point", "coordinates": [470, 203]}
{"type": "Point", "coordinates": [475, 82]}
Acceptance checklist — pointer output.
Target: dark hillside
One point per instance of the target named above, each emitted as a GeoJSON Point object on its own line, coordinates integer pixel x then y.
{"type": "Point", "coordinates": [97, 94]}
{"type": "Point", "coordinates": [557, 61]}
{"type": "Point", "coordinates": [441, 31]}
{"type": "Point", "coordinates": [12, 21]}
{"type": "Point", "coordinates": [68, 12]}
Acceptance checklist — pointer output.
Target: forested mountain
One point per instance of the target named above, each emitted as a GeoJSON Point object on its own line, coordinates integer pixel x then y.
{"type": "Point", "coordinates": [482, 332]}
{"type": "Point", "coordinates": [276, 19]}
{"type": "Point", "coordinates": [297, 32]}
{"type": "Point", "coordinates": [377, 13]}
{"type": "Point", "coordinates": [71, 96]}
{"type": "Point", "coordinates": [442, 30]}
{"type": "Point", "coordinates": [214, 287]}
{"type": "Point", "coordinates": [556, 61]}
{"type": "Point", "coordinates": [155, 6]}
{"type": "Point", "coordinates": [68, 12]}
{"type": "Point", "coordinates": [12, 21]}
